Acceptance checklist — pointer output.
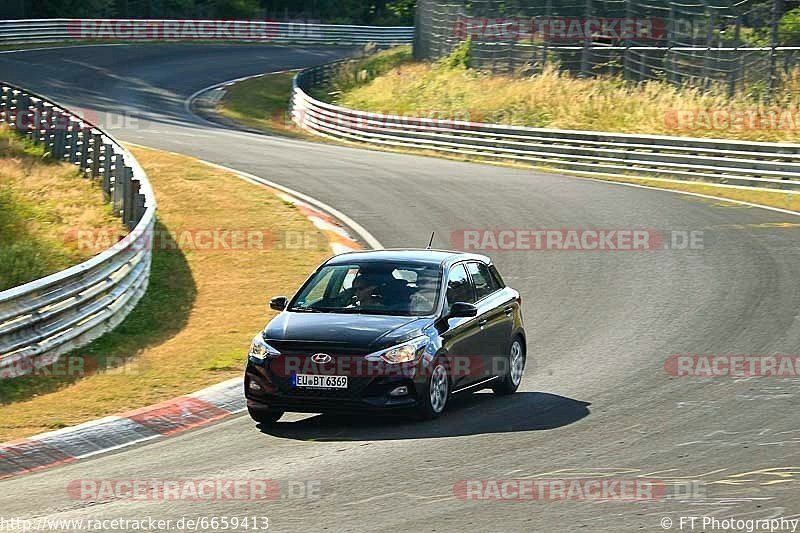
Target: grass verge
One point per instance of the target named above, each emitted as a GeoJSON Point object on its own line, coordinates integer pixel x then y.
{"type": "Point", "coordinates": [42, 204]}
{"type": "Point", "coordinates": [261, 103]}
{"type": "Point", "coordinates": [195, 323]}
{"type": "Point", "coordinates": [555, 99]}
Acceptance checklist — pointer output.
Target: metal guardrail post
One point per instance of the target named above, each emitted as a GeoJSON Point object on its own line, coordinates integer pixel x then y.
{"type": "Point", "coordinates": [37, 111]}
{"type": "Point", "coordinates": [95, 149]}
{"type": "Point", "coordinates": [84, 148]}
{"type": "Point", "coordinates": [13, 109]}
{"type": "Point", "coordinates": [60, 135]}
{"type": "Point", "coordinates": [43, 133]}
{"type": "Point", "coordinates": [106, 171]}
{"type": "Point", "coordinates": [139, 206]}
{"type": "Point", "coordinates": [117, 188]}
{"type": "Point", "coordinates": [5, 102]}
{"type": "Point", "coordinates": [24, 113]}
{"type": "Point", "coordinates": [130, 206]}
{"type": "Point", "coordinates": [127, 193]}
{"type": "Point", "coordinates": [73, 141]}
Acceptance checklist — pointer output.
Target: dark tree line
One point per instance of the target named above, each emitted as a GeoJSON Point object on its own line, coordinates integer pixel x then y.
{"type": "Point", "coordinates": [333, 11]}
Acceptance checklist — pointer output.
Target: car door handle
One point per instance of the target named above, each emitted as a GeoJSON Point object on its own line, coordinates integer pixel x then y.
{"type": "Point", "coordinates": [508, 310]}
{"type": "Point", "coordinates": [483, 322]}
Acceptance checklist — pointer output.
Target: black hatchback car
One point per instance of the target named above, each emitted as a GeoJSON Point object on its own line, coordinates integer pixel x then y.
{"type": "Point", "coordinates": [388, 330]}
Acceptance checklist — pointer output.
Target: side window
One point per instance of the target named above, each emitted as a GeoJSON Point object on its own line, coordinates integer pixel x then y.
{"type": "Point", "coordinates": [459, 288]}
{"type": "Point", "coordinates": [498, 279]}
{"type": "Point", "coordinates": [482, 278]}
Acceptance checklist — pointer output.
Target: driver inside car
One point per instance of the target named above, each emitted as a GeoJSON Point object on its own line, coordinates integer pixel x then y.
{"type": "Point", "coordinates": [367, 290]}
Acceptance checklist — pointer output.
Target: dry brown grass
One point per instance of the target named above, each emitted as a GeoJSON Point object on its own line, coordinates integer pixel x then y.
{"type": "Point", "coordinates": [555, 99]}
{"type": "Point", "coordinates": [42, 206]}
{"type": "Point", "coordinates": [174, 348]}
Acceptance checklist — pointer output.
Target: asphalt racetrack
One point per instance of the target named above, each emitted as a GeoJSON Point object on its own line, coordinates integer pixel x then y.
{"type": "Point", "coordinates": [596, 400]}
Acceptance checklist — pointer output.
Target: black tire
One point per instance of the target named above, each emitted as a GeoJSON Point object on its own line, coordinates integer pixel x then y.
{"type": "Point", "coordinates": [506, 384]}
{"type": "Point", "coordinates": [429, 408]}
{"type": "Point", "coordinates": [265, 416]}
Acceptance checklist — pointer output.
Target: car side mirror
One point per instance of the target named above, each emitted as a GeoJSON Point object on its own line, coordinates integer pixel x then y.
{"type": "Point", "coordinates": [462, 310]}
{"type": "Point", "coordinates": [279, 303]}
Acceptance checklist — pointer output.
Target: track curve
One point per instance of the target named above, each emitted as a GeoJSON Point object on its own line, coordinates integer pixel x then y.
{"type": "Point", "coordinates": [601, 325]}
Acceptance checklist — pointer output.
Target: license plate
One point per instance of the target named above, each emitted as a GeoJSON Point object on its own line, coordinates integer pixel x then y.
{"type": "Point", "coordinates": [312, 381]}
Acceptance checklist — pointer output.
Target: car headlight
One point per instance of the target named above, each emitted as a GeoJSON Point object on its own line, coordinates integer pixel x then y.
{"type": "Point", "coordinates": [402, 353]}
{"type": "Point", "coordinates": [260, 350]}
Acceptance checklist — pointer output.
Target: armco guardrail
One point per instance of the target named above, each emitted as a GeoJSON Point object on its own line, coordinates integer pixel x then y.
{"type": "Point", "coordinates": [50, 316]}
{"type": "Point", "coordinates": [748, 164]}
{"type": "Point", "coordinates": [58, 30]}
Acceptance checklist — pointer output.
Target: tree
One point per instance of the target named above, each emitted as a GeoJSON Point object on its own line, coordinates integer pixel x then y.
{"type": "Point", "coordinates": [789, 28]}
{"type": "Point", "coordinates": [230, 9]}
{"type": "Point", "coordinates": [73, 8]}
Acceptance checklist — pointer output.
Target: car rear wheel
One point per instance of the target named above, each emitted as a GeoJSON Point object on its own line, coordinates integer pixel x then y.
{"type": "Point", "coordinates": [516, 366]}
{"type": "Point", "coordinates": [264, 416]}
{"type": "Point", "coordinates": [433, 403]}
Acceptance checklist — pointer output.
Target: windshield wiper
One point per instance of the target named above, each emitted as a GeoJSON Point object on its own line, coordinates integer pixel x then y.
{"type": "Point", "coordinates": [305, 309]}
{"type": "Point", "coordinates": [349, 311]}
{"type": "Point", "coordinates": [302, 309]}
{"type": "Point", "coordinates": [369, 311]}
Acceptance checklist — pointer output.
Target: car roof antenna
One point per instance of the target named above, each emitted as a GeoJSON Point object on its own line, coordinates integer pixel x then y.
{"type": "Point", "coordinates": [430, 243]}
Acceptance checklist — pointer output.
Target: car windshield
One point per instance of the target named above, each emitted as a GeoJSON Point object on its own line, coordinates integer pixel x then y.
{"type": "Point", "coordinates": [371, 288]}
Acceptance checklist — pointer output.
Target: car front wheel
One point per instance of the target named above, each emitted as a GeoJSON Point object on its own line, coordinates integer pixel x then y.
{"type": "Point", "coordinates": [509, 383]}
{"type": "Point", "coordinates": [433, 403]}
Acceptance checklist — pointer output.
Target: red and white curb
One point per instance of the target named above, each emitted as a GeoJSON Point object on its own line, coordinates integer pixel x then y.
{"type": "Point", "coordinates": [173, 416]}
{"type": "Point", "coordinates": [339, 239]}
{"type": "Point", "coordinates": [115, 432]}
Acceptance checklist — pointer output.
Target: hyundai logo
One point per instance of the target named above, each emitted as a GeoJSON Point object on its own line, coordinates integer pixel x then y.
{"type": "Point", "coordinates": [321, 358]}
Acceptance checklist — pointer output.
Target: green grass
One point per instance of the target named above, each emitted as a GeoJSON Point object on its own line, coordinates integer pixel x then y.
{"type": "Point", "coordinates": [41, 203]}
{"type": "Point", "coordinates": [261, 103]}
{"type": "Point", "coordinates": [356, 74]}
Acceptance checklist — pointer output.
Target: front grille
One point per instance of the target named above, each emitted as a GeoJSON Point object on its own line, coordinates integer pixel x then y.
{"type": "Point", "coordinates": [291, 347]}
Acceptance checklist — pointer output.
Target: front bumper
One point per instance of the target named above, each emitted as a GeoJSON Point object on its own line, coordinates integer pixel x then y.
{"type": "Point", "coordinates": [362, 394]}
